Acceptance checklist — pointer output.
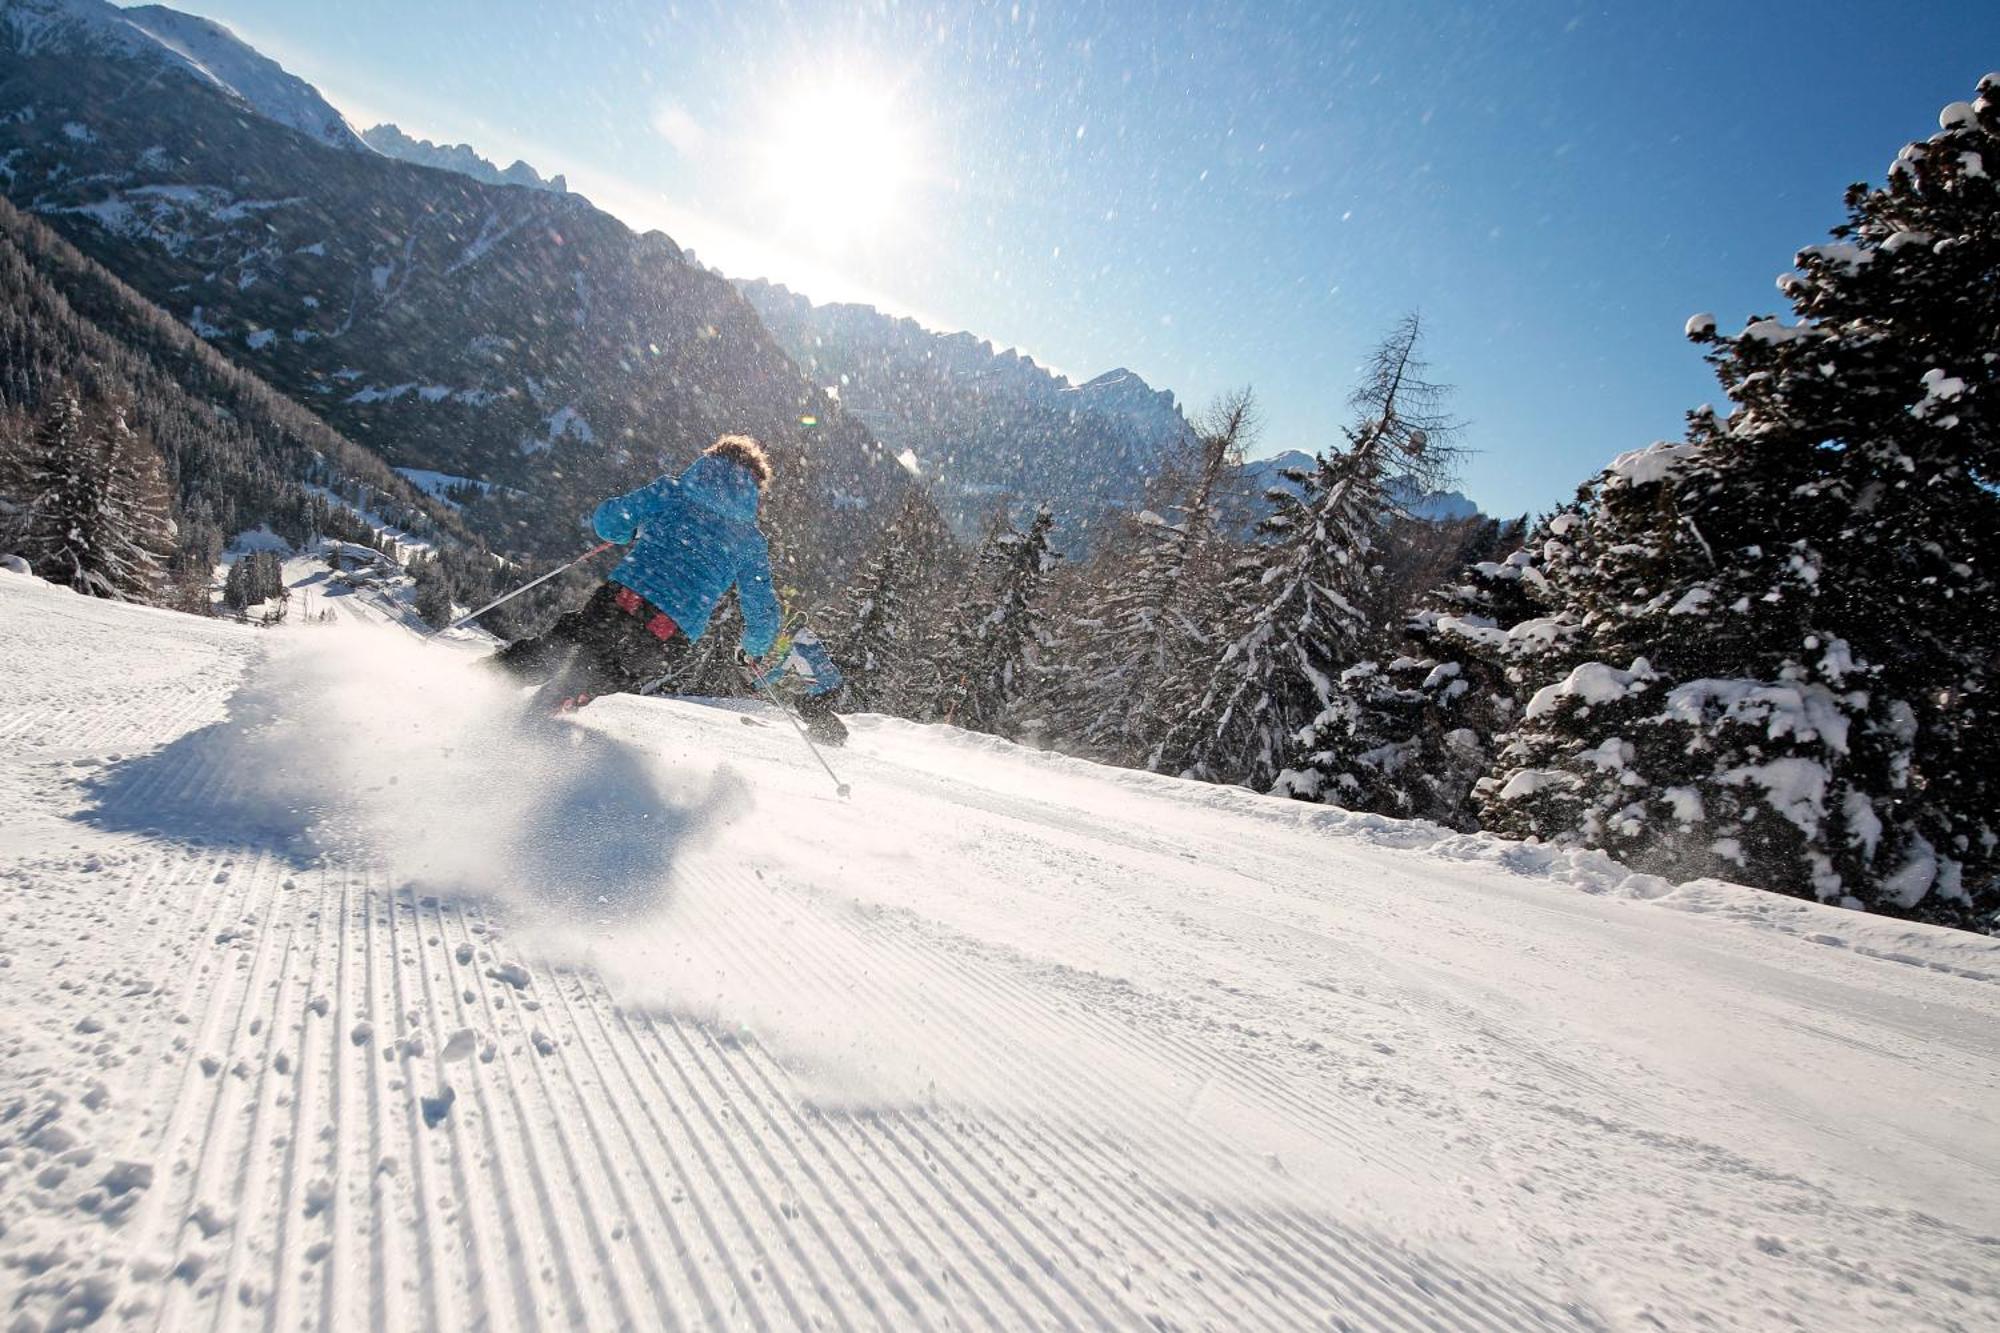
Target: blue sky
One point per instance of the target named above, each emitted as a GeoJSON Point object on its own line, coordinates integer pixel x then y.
{"type": "Point", "coordinates": [1217, 194]}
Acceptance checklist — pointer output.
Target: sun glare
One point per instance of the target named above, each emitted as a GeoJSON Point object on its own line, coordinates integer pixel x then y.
{"type": "Point", "coordinates": [839, 160]}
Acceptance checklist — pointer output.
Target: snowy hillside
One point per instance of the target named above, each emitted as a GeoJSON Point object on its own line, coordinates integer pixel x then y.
{"type": "Point", "coordinates": [516, 336]}
{"type": "Point", "coordinates": [184, 42]}
{"type": "Point", "coordinates": [334, 993]}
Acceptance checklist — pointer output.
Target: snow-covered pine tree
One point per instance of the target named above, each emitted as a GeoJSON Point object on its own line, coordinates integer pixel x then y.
{"type": "Point", "coordinates": [1303, 628]}
{"type": "Point", "coordinates": [885, 633]}
{"type": "Point", "coordinates": [1703, 728]}
{"type": "Point", "coordinates": [1001, 638]}
{"type": "Point", "coordinates": [98, 511]}
{"type": "Point", "coordinates": [142, 529]}
{"type": "Point", "coordinates": [17, 436]}
{"type": "Point", "coordinates": [1789, 613]}
{"type": "Point", "coordinates": [433, 592]}
{"type": "Point", "coordinates": [970, 603]}
{"type": "Point", "coordinates": [1146, 614]}
{"type": "Point", "coordinates": [868, 627]}
{"type": "Point", "coordinates": [1257, 722]}
{"type": "Point", "coordinates": [65, 492]}
{"type": "Point", "coordinates": [254, 579]}
{"type": "Point", "coordinates": [1412, 735]}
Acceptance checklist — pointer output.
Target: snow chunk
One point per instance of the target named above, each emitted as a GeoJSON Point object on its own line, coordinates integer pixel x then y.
{"type": "Point", "coordinates": [77, 130]}
{"type": "Point", "coordinates": [1955, 116]}
{"type": "Point", "coordinates": [1440, 673]}
{"type": "Point", "coordinates": [1910, 883]}
{"type": "Point", "coordinates": [908, 458]}
{"type": "Point", "coordinates": [1844, 254]}
{"type": "Point", "coordinates": [1613, 755]}
{"type": "Point", "coordinates": [1531, 780]}
{"type": "Point", "coordinates": [1939, 389]}
{"type": "Point", "coordinates": [1643, 467]}
{"type": "Point", "coordinates": [1772, 332]}
{"type": "Point", "coordinates": [1864, 826]}
{"type": "Point", "coordinates": [259, 339]}
{"type": "Point", "coordinates": [1700, 326]}
{"type": "Point", "coordinates": [1795, 788]}
{"type": "Point", "coordinates": [1692, 602]}
{"type": "Point", "coordinates": [1803, 712]}
{"type": "Point", "coordinates": [1595, 683]}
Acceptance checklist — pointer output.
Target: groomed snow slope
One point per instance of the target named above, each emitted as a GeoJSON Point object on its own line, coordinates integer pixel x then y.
{"type": "Point", "coordinates": [332, 994]}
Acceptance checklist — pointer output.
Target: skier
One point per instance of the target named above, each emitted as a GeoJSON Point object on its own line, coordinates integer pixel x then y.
{"type": "Point", "coordinates": [693, 537]}
{"type": "Point", "coordinates": [804, 659]}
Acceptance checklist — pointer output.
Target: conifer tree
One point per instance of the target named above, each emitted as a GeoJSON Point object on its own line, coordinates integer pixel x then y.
{"type": "Point", "coordinates": [433, 592]}
{"type": "Point", "coordinates": [1788, 613]}
{"type": "Point", "coordinates": [65, 492]}
{"type": "Point", "coordinates": [16, 466]}
{"type": "Point", "coordinates": [970, 604]}
{"type": "Point", "coordinates": [1001, 638]}
{"type": "Point", "coordinates": [884, 635]}
{"type": "Point", "coordinates": [1147, 609]}
{"type": "Point", "coordinates": [1411, 735]}
{"type": "Point", "coordinates": [98, 509]}
{"type": "Point", "coordinates": [869, 628]}
{"type": "Point", "coordinates": [1302, 598]}
{"type": "Point", "coordinates": [1277, 675]}
{"type": "Point", "coordinates": [254, 579]}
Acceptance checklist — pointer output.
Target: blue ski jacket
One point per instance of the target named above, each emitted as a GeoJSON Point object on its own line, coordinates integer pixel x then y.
{"type": "Point", "coordinates": [696, 535]}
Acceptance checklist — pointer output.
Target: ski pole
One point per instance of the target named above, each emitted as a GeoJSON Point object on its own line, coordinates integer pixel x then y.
{"type": "Point", "coordinates": [840, 789]}
{"type": "Point", "coordinates": [471, 616]}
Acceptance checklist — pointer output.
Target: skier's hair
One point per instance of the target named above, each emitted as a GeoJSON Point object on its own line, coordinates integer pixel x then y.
{"type": "Point", "coordinates": [743, 450]}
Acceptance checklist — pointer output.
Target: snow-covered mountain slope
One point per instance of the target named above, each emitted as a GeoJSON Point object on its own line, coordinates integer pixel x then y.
{"type": "Point", "coordinates": [186, 43]}
{"type": "Point", "coordinates": [517, 336]}
{"type": "Point", "coordinates": [332, 993]}
{"type": "Point", "coordinates": [390, 141]}
{"type": "Point", "coordinates": [983, 423]}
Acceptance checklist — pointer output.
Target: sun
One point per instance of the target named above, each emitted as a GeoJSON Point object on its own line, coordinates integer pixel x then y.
{"type": "Point", "coordinates": [838, 162]}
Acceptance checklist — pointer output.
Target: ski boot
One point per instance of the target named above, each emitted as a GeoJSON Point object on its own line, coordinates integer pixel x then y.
{"type": "Point", "coordinates": [822, 724]}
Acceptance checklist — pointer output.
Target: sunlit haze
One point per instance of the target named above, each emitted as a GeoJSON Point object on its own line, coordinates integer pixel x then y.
{"type": "Point", "coordinates": [838, 161]}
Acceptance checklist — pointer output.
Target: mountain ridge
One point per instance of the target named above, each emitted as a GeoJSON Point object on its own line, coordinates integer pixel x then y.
{"type": "Point", "coordinates": [184, 43]}
{"type": "Point", "coordinates": [984, 423]}
{"type": "Point", "coordinates": [391, 140]}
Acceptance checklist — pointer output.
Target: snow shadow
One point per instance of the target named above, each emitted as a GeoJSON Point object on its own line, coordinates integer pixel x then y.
{"type": "Point", "coordinates": [362, 744]}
